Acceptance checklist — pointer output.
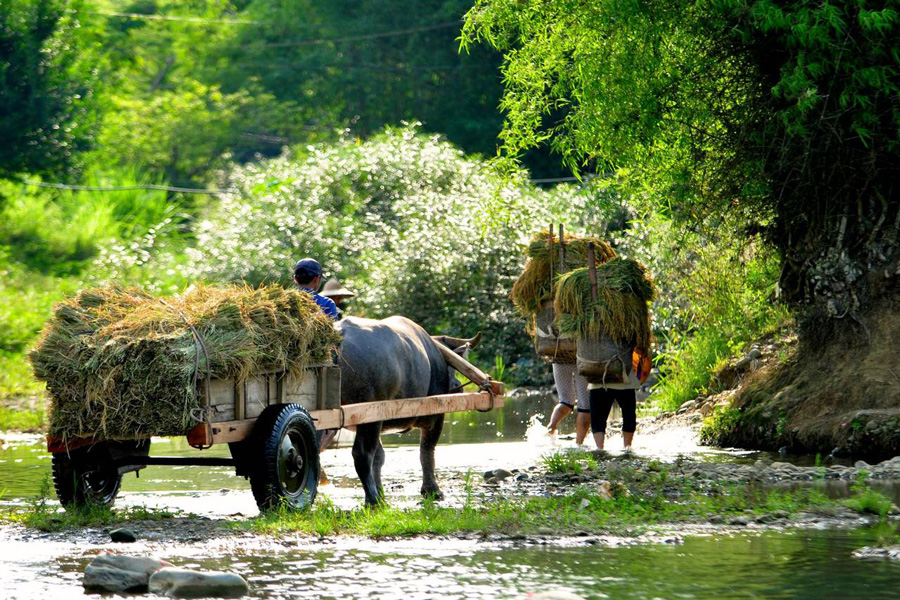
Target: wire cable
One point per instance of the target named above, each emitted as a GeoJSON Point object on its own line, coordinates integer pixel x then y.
{"type": "Point", "coordinates": [124, 188]}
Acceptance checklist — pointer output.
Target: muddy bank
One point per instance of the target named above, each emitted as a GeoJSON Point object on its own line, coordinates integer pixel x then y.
{"type": "Point", "coordinates": [838, 397]}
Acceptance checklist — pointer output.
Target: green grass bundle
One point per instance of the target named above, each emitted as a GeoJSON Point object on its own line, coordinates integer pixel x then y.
{"type": "Point", "coordinates": [119, 362]}
{"type": "Point", "coordinates": [624, 290]}
{"type": "Point", "coordinates": [532, 288]}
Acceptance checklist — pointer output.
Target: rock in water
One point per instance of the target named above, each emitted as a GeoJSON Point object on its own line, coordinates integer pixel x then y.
{"type": "Point", "coordinates": [121, 573]}
{"type": "Point", "coordinates": [122, 535]}
{"type": "Point", "coordinates": [184, 583]}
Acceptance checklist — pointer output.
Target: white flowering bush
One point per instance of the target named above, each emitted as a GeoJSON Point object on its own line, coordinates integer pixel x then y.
{"type": "Point", "coordinates": [406, 220]}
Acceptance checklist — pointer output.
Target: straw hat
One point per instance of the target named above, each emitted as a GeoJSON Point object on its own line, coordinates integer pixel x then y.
{"type": "Point", "coordinates": [334, 290]}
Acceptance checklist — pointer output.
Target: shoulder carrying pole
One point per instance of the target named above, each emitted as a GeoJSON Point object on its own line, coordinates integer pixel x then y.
{"type": "Point", "coordinates": [562, 249]}
{"type": "Point", "coordinates": [550, 255]}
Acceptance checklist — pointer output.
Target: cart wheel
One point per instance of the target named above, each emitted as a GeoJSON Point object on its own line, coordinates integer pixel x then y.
{"type": "Point", "coordinates": [284, 442]}
{"type": "Point", "coordinates": [85, 477]}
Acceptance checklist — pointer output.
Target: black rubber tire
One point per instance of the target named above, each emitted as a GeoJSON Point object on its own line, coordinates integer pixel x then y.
{"type": "Point", "coordinates": [85, 477]}
{"type": "Point", "coordinates": [286, 473]}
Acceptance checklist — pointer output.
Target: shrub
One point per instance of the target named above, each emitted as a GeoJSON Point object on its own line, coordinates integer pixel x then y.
{"type": "Point", "coordinates": [409, 222]}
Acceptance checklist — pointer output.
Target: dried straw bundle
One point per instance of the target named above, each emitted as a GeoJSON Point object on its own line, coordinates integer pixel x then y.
{"type": "Point", "coordinates": [624, 290]}
{"type": "Point", "coordinates": [532, 288]}
{"type": "Point", "coordinates": [119, 362]}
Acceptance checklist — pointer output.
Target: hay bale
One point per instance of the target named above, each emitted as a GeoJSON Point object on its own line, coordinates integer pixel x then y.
{"type": "Point", "coordinates": [624, 290]}
{"type": "Point", "coordinates": [532, 288]}
{"type": "Point", "coordinates": [120, 363]}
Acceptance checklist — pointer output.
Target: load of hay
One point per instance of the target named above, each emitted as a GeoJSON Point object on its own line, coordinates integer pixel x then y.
{"type": "Point", "coordinates": [121, 363]}
{"type": "Point", "coordinates": [620, 312]}
{"type": "Point", "coordinates": [532, 289]}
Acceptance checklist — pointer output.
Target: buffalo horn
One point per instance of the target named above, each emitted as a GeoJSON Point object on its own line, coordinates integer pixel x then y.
{"type": "Point", "coordinates": [455, 342]}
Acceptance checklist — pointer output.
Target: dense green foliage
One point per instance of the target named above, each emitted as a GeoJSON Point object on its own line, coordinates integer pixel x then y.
{"type": "Point", "coordinates": [47, 85]}
{"type": "Point", "coordinates": [780, 118]}
{"type": "Point", "coordinates": [190, 87]}
{"type": "Point", "coordinates": [271, 102]}
{"type": "Point", "coordinates": [407, 221]}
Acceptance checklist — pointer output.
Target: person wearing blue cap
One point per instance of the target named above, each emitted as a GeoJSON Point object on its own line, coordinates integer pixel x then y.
{"type": "Point", "coordinates": [308, 277]}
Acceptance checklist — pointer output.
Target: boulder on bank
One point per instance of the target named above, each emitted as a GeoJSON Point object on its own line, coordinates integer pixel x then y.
{"type": "Point", "coordinates": [120, 573]}
{"type": "Point", "coordinates": [184, 583]}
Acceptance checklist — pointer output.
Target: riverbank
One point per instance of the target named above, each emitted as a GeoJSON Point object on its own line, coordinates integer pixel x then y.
{"type": "Point", "coordinates": [573, 495]}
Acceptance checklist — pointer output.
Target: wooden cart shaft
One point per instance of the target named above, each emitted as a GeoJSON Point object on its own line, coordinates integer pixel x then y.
{"type": "Point", "coordinates": [351, 415]}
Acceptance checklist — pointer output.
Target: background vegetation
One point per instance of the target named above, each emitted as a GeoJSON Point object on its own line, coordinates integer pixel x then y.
{"type": "Point", "coordinates": [354, 132]}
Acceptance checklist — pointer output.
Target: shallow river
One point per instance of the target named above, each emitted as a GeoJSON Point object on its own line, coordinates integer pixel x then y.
{"type": "Point", "coordinates": [774, 564]}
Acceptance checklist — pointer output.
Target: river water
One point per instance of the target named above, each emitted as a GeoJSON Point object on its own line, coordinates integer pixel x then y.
{"type": "Point", "coordinates": [772, 564]}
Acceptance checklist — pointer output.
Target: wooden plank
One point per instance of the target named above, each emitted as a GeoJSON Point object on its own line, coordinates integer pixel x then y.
{"type": "Point", "coordinates": [463, 366]}
{"type": "Point", "coordinates": [222, 399]}
{"type": "Point", "coordinates": [240, 401]}
{"type": "Point", "coordinates": [232, 431]}
{"type": "Point", "coordinates": [256, 398]}
{"type": "Point", "coordinates": [385, 410]}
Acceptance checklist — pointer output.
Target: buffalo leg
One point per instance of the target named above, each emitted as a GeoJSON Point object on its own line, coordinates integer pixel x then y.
{"type": "Point", "coordinates": [377, 463]}
{"type": "Point", "coordinates": [431, 431]}
{"type": "Point", "coordinates": [368, 438]}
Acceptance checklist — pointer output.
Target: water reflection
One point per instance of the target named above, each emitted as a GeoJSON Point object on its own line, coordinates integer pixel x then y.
{"type": "Point", "coordinates": [510, 438]}
{"type": "Point", "coordinates": [796, 564]}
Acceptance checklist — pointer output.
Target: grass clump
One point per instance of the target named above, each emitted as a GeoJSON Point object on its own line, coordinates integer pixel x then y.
{"type": "Point", "coordinates": [865, 500]}
{"type": "Point", "coordinates": [631, 507]}
{"type": "Point", "coordinates": [569, 462]}
{"type": "Point", "coordinates": [624, 290]}
{"type": "Point", "coordinates": [119, 362]}
{"type": "Point", "coordinates": [532, 288]}
{"type": "Point", "coordinates": [721, 422]}
{"type": "Point", "coordinates": [40, 514]}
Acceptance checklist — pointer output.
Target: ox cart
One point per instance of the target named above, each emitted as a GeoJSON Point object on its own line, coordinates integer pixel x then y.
{"type": "Point", "coordinates": [270, 423]}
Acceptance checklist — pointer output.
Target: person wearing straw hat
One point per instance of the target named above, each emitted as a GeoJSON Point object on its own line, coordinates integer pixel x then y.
{"type": "Point", "coordinates": [338, 293]}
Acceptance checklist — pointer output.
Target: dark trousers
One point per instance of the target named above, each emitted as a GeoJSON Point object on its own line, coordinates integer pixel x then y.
{"type": "Point", "coordinates": [601, 403]}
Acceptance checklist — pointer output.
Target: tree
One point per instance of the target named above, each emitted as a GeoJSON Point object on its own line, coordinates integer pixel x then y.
{"type": "Point", "coordinates": [781, 118]}
{"type": "Point", "coordinates": [47, 83]}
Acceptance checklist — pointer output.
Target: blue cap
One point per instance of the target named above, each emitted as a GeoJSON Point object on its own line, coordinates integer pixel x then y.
{"type": "Point", "coordinates": [307, 268]}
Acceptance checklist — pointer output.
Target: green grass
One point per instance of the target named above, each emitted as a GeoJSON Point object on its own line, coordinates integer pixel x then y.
{"type": "Point", "coordinates": [866, 500]}
{"type": "Point", "coordinates": [580, 511]}
{"type": "Point", "coordinates": [690, 368]}
{"type": "Point", "coordinates": [43, 516]}
{"type": "Point", "coordinates": [637, 501]}
{"type": "Point", "coordinates": [16, 418]}
{"type": "Point", "coordinates": [720, 422]}
{"type": "Point", "coordinates": [569, 462]}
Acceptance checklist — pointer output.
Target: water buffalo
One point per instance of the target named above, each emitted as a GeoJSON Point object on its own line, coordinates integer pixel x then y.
{"type": "Point", "coordinates": [386, 360]}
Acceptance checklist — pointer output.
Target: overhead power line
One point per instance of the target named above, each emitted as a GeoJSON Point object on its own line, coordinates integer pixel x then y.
{"type": "Point", "coordinates": [184, 190]}
{"type": "Point", "coordinates": [353, 38]}
{"type": "Point", "coordinates": [124, 188]}
{"type": "Point", "coordinates": [146, 17]}
{"type": "Point", "coordinates": [286, 44]}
